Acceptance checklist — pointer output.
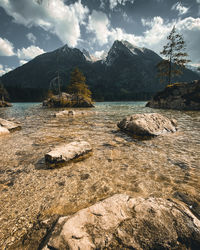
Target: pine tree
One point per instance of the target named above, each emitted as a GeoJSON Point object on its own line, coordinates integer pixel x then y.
{"type": "Point", "coordinates": [78, 86]}
{"type": "Point", "coordinates": [175, 57]}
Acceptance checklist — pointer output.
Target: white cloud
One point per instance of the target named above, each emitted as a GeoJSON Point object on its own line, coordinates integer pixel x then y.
{"type": "Point", "coordinates": [31, 37]}
{"type": "Point", "coordinates": [180, 8]}
{"type": "Point", "coordinates": [6, 48]}
{"type": "Point", "coordinates": [29, 53]}
{"type": "Point", "coordinates": [99, 25]}
{"type": "Point", "coordinates": [54, 16]}
{"type": "Point", "coordinates": [4, 69]}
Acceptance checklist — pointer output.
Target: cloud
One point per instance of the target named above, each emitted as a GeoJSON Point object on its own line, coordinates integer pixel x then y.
{"type": "Point", "coordinates": [29, 53]}
{"type": "Point", "coordinates": [53, 16]}
{"type": "Point", "coordinates": [180, 8]}
{"type": "Point", "coordinates": [4, 69]}
{"type": "Point", "coordinates": [31, 37]}
{"type": "Point", "coordinates": [99, 25]}
{"type": "Point", "coordinates": [6, 48]}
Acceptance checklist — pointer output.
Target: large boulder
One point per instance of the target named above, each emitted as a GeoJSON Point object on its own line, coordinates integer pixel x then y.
{"type": "Point", "coordinates": [122, 222]}
{"type": "Point", "coordinates": [67, 100]}
{"type": "Point", "coordinates": [3, 131]}
{"type": "Point", "coordinates": [11, 126]}
{"type": "Point", "coordinates": [180, 96]}
{"type": "Point", "coordinates": [67, 152]}
{"type": "Point", "coordinates": [151, 124]}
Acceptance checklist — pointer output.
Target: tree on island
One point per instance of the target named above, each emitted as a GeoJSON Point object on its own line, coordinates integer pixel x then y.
{"type": "Point", "coordinates": [78, 86]}
{"type": "Point", "coordinates": [175, 57]}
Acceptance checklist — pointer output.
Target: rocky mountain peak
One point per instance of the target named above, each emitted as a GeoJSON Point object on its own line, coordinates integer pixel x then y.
{"type": "Point", "coordinates": [87, 55]}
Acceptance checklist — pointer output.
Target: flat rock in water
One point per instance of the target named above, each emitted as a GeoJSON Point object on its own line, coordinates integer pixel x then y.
{"type": "Point", "coordinates": [67, 152]}
{"type": "Point", "coordinates": [122, 222]}
{"type": "Point", "coordinates": [11, 126]}
{"type": "Point", "coordinates": [152, 124]}
{"type": "Point", "coordinates": [3, 131]}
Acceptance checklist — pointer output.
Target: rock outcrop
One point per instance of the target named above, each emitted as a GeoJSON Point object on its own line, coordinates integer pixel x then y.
{"type": "Point", "coordinates": [67, 152]}
{"type": "Point", "coordinates": [122, 222]}
{"type": "Point", "coordinates": [151, 124]}
{"type": "Point", "coordinates": [11, 126]}
{"type": "Point", "coordinates": [67, 100]}
{"type": "Point", "coordinates": [4, 104]}
{"type": "Point", "coordinates": [180, 96]}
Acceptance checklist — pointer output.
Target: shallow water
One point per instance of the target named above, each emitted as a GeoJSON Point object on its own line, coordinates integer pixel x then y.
{"type": "Point", "coordinates": [166, 166]}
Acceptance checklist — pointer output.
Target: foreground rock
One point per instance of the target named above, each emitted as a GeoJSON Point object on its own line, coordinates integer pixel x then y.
{"type": "Point", "coordinates": [180, 96]}
{"type": "Point", "coordinates": [5, 104]}
{"type": "Point", "coordinates": [67, 100]}
{"type": "Point", "coordinates": [11, 126]}
{"type": "Point", "coordinates": [122, 222]}
{"type": "Point", "coordinates": [67, 152]}
{"type": "Point", "coordinates": [3, 131]}
{"type": "Point", "coordinates": [147, 124]}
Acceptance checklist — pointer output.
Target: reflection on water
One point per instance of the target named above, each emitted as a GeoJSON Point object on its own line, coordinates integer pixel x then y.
{"type": "Point", "coordinates": [167, 166]}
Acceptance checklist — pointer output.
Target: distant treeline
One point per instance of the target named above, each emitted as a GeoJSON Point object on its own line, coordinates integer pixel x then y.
{"type": "Point", "coordinates": [19, 94]}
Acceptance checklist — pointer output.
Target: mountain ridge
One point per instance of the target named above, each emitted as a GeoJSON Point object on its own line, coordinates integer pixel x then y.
{"type": "Point", "coordinates": [127, 73]}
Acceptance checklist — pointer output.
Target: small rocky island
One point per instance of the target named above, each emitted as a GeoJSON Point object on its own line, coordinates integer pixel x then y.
{"type": "Point", "coordinates": [68, 100]}
{"type": "Point", "coordinates": [78, 96]}
{"type": "Point", "coordinates": [179, 96]}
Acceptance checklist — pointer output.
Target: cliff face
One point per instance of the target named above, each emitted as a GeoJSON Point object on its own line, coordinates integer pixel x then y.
{"type": "Point", "coordinates": [180, 96]}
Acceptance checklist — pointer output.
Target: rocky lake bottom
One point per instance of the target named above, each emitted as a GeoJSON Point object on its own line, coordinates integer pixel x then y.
{"type": "Point", "coordinates": [164, 167]}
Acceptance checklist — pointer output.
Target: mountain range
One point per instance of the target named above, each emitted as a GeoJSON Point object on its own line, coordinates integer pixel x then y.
{"type": "Point", "coordinates": [126, 73]}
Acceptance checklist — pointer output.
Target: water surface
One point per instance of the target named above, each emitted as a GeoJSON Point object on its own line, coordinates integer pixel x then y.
{"type": "Point", "coordinates": [166, 166]}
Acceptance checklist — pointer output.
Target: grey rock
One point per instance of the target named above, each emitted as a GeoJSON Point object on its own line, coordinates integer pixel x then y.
{"type": "Point", "coordinates": [180, 96]}
{"type": "Point", "coordinates": [151, 124]}
{"type": "Point", "coordinates": [122, 222]}
{"type": "Point", "coordinates": [67, 152]}
{"type": "Point", "coordinates": [11, 126]}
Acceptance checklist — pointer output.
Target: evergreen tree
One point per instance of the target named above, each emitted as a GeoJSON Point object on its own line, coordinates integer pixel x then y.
{"type": "Point", "coordinates": [78, 86]}
{"type": "Point", "coordinates": [175, 57]}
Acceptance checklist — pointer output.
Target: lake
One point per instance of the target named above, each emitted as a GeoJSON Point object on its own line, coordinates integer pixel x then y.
{"type": "Point", "coordinates": [167, 166]}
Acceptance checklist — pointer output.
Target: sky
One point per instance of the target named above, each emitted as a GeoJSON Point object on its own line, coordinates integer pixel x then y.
{"type": "Point", "coordinates": [31, 27]}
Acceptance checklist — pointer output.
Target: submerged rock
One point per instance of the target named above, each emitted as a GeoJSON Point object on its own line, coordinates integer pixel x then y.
{"type": "Point", "coordinates": [67, 152]}
{"type": "Point", "coordinates": [3, 131]}
{"type": "Point", "coordinates": [11, 126]}
{"type": "Point", "coordinates": [72, 113]}
{"type": "Point", "coordinates": [67, 100]}
{"type": "Point", "coordinates": [122, 222]}
{"type": "Point", "coordinates": [147, 124]}
{"type": "Point", "coordinates": [181, 96]}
